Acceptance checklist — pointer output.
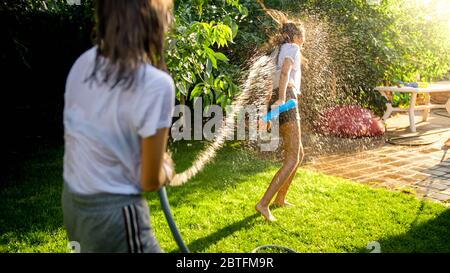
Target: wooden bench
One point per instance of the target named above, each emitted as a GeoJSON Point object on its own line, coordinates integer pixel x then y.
{"type": "Point", "coordinates": [386, 91]}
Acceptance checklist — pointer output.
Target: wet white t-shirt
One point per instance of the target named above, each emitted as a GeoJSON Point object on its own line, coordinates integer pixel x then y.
{"type": "Point", "coordinates": [292, 52]}
{"type": "Point", "coordinates": [103, 127]}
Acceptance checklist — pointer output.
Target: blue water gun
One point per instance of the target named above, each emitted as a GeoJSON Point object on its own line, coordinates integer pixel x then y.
{"type": "Point", "coordinates": [290, 104]}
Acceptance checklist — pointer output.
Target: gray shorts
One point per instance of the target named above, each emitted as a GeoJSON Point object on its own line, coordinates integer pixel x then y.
{"type": "Point", "coordinates": [108, 223]}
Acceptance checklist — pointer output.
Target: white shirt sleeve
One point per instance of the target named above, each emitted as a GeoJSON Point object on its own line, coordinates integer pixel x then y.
{"type": "Point", "coordinates": [154, 107]}
{"type": "Point", "coordinates": [289, 51]}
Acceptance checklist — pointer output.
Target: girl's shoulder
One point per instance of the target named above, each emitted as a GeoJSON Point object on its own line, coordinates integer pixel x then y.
{"type": "Point", "coordinates": [87, 56]}
{"type": "Point", "coordinates": [153, 78]}
{"type": "Point", "coordinates": [291, 51]}
{"type": "Point", "coordinates": [82, 64]}
{"type": "Point", "coordinates": [291, 47]}
{"type": "Point", "coordinates": [152, 74]}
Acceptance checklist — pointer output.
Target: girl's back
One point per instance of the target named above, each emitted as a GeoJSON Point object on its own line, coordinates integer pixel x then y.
{"type": "Point", "coordinates": [103, 126]}
{"type": "Point", "coordinates": [117, 115]}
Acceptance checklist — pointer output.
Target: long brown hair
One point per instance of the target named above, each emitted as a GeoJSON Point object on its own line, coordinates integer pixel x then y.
{"type": "Point", "coordinates": [287, 30]}
{"type": "Point", "coordinates": [128, 34]}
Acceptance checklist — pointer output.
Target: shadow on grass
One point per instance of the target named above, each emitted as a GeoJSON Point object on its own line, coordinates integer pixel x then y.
{"type": "Point", "coordinates": [432, 236]}
{"type": "Point", "coordinates": [209, 240]}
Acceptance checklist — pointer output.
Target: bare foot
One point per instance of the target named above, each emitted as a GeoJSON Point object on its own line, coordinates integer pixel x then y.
{"type": "Point", "coordinates": [283, 203]}
{"type": "Point", "coordinates": [265, 212]}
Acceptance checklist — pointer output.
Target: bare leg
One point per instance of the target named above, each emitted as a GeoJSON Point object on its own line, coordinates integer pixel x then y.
{"type": "Point", "coordinates": [280, 199]}
{"type": "Point", "coordinates": [291, 139]}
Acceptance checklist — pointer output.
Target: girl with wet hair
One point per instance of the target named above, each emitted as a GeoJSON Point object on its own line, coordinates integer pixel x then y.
{"type": "Point", "coordinates": [286, 86]}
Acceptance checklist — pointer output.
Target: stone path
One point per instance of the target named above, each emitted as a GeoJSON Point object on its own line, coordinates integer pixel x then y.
{"type": "Point", "coordinates": [422, 170]}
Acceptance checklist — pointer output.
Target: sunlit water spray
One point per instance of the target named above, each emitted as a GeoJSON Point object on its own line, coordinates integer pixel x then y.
{"type": "Point", "coordinates": [325, 82]}
{"type": "Point", "coordinates": [258, 79]}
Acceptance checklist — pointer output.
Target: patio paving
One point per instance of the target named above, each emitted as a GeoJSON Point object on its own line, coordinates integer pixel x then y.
{"type": "Point", "coordinates": [423, 170]}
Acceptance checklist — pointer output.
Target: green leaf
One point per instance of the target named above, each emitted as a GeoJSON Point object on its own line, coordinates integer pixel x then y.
{"type": "Point", "coordinates": [197, 91]}
{"type": "Point", "coordinates": [187, 77]}
{"type": "Point", "coordinates": [221, 56]}
{"type": "Point", "coordinates": [208, 66]}
{"type": "Point", "coordinates": [211, 57]}
{"type": "Point", "coordinates": [234, 29]}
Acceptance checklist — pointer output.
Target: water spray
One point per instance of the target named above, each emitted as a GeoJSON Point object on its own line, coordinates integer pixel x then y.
{"type": "Point", "coordinates": [260, 70]}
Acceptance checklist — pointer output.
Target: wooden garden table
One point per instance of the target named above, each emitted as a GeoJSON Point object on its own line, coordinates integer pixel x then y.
{"type": "Point", "coordinates": [386, 91]}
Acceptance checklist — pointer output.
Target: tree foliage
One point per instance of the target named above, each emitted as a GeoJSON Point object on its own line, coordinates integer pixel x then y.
{"type": "Point", "coordinates": [202, 29]}
{"type": "Point", "coordinates": [393, 40]}
{"type": "Point", "coordinates": [211, 39]}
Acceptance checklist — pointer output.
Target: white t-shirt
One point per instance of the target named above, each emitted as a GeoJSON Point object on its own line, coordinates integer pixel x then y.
{"type": "Point", "coordinates": [292, 52]}
{"type": "Point", "coordinates": [103, 127]}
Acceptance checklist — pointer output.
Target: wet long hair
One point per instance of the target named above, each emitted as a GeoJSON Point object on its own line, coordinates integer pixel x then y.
{"type": "Point", "coordinates": [127, 35]}
{"type": "Point", "coordinates": [286, 32]}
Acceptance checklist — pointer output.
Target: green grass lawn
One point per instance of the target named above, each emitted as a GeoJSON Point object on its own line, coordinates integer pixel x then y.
{"type": "Point", "coordinates": [215, 211]}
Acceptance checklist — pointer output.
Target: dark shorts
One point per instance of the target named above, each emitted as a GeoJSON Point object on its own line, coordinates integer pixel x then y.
{"type": "Point", "coordinates": [288, 116]}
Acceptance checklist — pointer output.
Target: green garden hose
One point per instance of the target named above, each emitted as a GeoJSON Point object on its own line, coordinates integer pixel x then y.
{"type": "Point", "coordinates": [173, 227]}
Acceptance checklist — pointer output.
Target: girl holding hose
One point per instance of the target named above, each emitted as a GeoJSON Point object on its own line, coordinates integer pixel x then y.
{"type": "Point", "coordinates": [117, 114]}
